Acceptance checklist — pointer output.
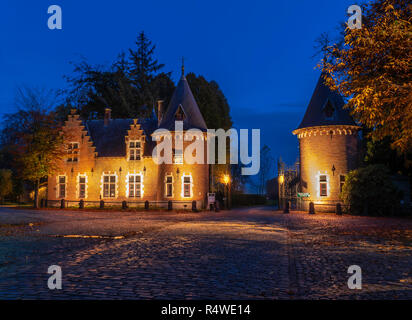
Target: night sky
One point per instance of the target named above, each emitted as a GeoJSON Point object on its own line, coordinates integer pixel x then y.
{"type": "Point", "coordinates": [259, 52]}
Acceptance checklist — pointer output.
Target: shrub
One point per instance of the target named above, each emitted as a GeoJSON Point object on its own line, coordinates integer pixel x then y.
{"type": "Point", "coordinates": [370, 191]}
{"type": "Point", "coordinates": [243, 199]}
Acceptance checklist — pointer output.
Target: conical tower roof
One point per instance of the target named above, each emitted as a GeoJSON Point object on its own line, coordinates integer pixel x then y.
{"type": "Point", "coordinates": [183, 102]}
{"type": "Point", "coordinates": [325, 108]}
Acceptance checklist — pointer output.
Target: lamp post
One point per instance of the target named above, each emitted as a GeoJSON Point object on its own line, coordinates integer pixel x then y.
{"type": "Point", "coordinates": [281, 180]}
{"type": "Point", "coordinates": [226, 181]}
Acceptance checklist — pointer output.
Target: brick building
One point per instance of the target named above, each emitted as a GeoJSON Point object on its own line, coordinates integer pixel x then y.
{"type": "Point", "coordinates": [111, 159]}
{"type": "Point", "coordinates": [328, 144]}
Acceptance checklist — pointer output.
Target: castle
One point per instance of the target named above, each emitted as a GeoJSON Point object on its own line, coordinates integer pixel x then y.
{"type": "Point", "coordinates": [111, 159]}
{"type": "Point", "coordinates": [328, 144]}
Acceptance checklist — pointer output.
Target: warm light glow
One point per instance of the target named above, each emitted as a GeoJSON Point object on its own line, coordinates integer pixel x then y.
{"type": "Point", "coordinates": [281, 179]}
{"type": "Point", "coordinates": [226, 179]}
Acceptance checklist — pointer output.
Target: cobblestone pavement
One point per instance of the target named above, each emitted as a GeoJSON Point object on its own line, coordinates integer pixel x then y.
{"type": "Point", "coordinates": [254, 253]}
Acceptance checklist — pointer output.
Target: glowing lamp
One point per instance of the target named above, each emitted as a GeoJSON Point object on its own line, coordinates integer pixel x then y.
{"type": "Point", "coordinates": [281, 179]}
{"type": "Point", "coordinates": [226, 179]}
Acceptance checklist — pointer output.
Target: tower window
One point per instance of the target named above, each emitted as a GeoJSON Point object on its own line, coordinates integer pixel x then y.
{"type": "Point", "coordinates": [180, 115]}
{"type": "Point", "coordinates": [329, 110]}
{"type": "Point", "coordinates": [323, 186]}
{"type": "Point", "coordinates": [178, 156]}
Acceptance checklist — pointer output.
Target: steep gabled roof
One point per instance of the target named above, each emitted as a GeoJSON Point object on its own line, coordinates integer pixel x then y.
{"type": "Point", "coordinates": [325, 108]}
{"type": "Point", "coordinates": [183, 97]}
{"type": "Point", "coordinates": [109, 140]}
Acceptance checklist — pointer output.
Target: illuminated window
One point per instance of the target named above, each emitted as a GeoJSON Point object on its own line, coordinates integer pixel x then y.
{"type": "Point", "coordinates": [62, 186]}
{"type": "Point", "coordinates": [109, 186]}
{"type": "Point", "coordinates": [135, 150]}
{"type": "Point", "coordinates": [82, 187]}
{"type": "Point", "coordinates": [323, 186]}
{"type": "Point", "coordinates": [169, 186]}
{"type": "Point", "coordinates": [342, 182]}
{"type": "Point", "coordinates": [178, 156]}
{"type": "Point", "coordinates": [73, 152]}
{"type": "Point", "coordinates": [135, 186]}
{"type": "Point", "coordinates": [187, 186]}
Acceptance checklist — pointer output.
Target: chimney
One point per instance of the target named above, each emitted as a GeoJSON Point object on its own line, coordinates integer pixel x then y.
{"type": "Point", "coordinates": [107, 116]}
{"type": "Point", "coordinates": [159, 111]}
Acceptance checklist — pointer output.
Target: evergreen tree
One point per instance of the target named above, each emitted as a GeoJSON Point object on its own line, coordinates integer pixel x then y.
{"type": "Point", "coordinates": [211, 101]}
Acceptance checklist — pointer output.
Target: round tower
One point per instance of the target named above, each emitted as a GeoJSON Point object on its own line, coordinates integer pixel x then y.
{"type": "Point", "coordinates": [328, 143]}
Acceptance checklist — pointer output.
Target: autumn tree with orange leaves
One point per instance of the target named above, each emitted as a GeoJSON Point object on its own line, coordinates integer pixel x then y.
{"type": "Point", "coordinates": [372, 68]}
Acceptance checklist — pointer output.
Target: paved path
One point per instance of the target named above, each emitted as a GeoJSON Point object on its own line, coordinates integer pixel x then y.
{"type": "Point", "coordinates": [251, 253]}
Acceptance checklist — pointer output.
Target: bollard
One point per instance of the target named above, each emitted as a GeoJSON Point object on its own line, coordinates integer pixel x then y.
{"type": "Point", "coordinates": [194, 209]}
{"type": "Point", "coordinates": [101, 204]}
{"type": "Point", "coordinates": [81, 204]}
{"type": "Point", "coordinates": [211, 207]}
{"type": "Point", "coordinates": [62, 204]}
{"type": "Point", "coordinates": [42, 203]}
{"type": "Point", "coordinates": [169, 205]}
{"type": "Point", "coordinates": [146, 205]}
{"type": "Point", "coordinates": [338, 209]}
{"type": "Point", "coordinates": [286, 209]}
{"type": "Point", "coordinates": [311, 208]}
{"type": "Point", "coordinates": [124, 204]}
{"type": "Point", "coordinates": [45, 203]}
{"type": "Point", "coordinates": [217, 209]}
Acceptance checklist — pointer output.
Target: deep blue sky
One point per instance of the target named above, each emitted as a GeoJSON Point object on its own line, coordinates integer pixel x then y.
{"type": "Point", "coordinates": [260, 52]}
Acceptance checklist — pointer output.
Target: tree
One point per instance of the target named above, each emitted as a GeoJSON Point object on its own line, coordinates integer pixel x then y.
{"type": "Point", "coordinates": [143, 70]}
{"type": "Point", "coordinates": [211, 101]}
{"type": "Point", "coordinates": [130, 85]}
{"type": "Point", "coordinates": [369, 191]}
{"type": "Point", "coordinates": [32, 136]}
{"type": "Point", "coordinates": [6, 183]}
{"type": "Point", "coordinates": [372, 68]}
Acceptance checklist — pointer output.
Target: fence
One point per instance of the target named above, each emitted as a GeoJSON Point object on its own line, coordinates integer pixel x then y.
{"type": "Point", "coordinates": [146, 205]}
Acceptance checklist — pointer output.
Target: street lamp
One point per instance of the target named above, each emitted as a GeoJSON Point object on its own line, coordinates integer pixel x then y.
{"type": "Point", "coordinates": [226, 181]}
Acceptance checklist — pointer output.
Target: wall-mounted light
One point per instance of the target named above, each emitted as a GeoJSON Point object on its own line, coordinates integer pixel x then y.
{"type": "Point", "coordinates": [72, 170]}
{"type": "Point", "coordinates": [177, 171]}
{"type": "Point", "coordinates": [92, 171]}
{"type": "Point", "coordinates": [144, 170]}
{"type": "Point", "coordinates": [120, 170]}
{"type": "Point", "coordinates": [333, 169]}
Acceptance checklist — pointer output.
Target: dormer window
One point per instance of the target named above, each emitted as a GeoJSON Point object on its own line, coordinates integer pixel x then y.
{"type": "Point", "coordinates": [135, 150]}
{"type": "Point", "coordinates": [180, 114]}
{"type": "Point", "coordinates": [329, 110]}
{"type": "Point", "coordinates": [73, 152]}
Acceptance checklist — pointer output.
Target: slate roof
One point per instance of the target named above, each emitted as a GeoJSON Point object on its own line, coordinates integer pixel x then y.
{"type": "Point", "coordinates": [315, 115]}
{"type": "Point", "coordinates": [183, 97]}
{"type": "Point", "coordinates": [110, 140]}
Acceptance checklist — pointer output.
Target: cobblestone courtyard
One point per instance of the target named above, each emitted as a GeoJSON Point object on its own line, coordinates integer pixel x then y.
{"type": "Point", "coordinates": [254, 253]}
